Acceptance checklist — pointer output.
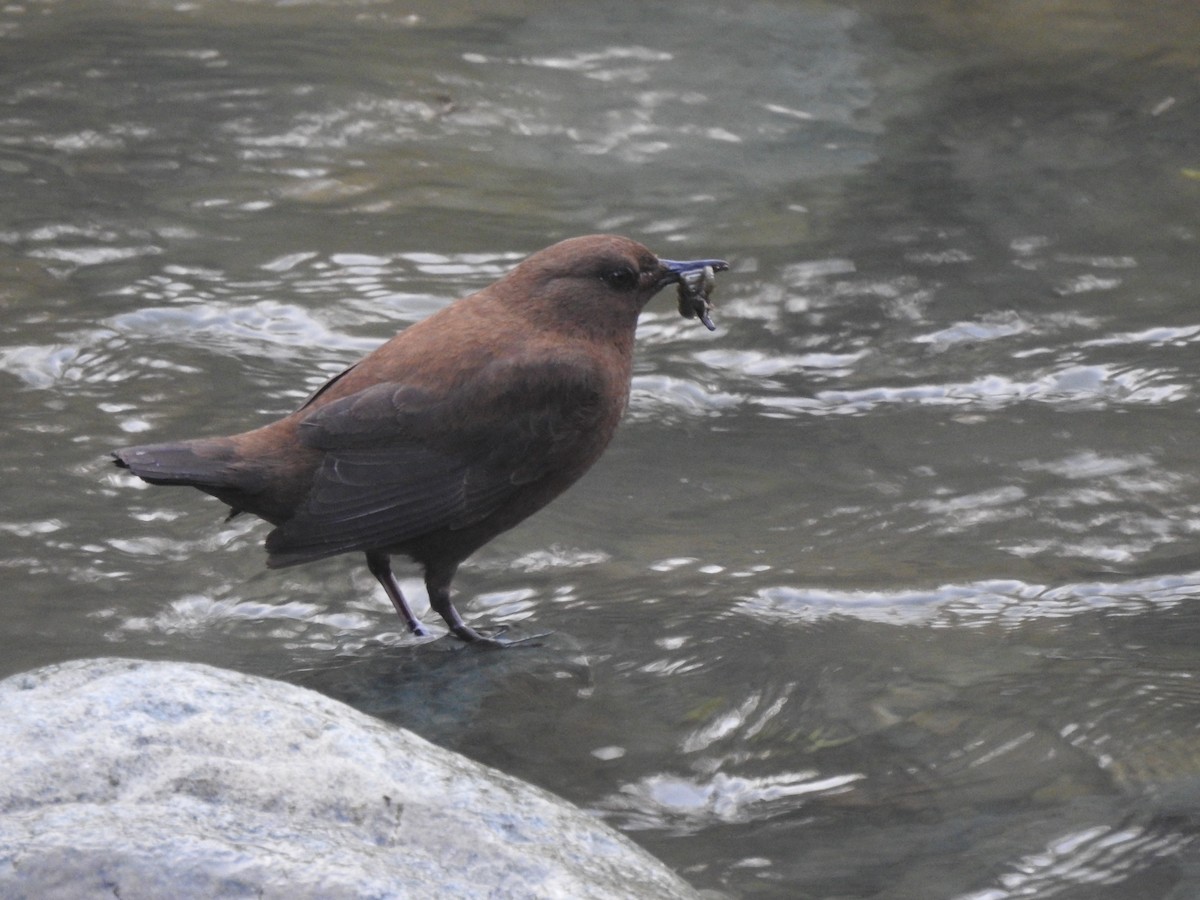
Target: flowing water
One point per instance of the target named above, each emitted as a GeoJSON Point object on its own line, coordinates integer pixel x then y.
{"type": "Point", "coordinates": [890, 588]}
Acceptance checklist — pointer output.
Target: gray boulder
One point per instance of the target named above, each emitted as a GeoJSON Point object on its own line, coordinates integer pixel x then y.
{"type": "Point", "coordinates": [151, 780]}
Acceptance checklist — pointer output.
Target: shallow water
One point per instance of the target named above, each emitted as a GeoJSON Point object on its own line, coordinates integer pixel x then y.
{"type": "Point", "coordinates": [885, 590]}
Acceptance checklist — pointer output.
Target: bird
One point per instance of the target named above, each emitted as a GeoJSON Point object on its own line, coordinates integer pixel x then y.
{"type": "Point", "coordinates": [453, 431]}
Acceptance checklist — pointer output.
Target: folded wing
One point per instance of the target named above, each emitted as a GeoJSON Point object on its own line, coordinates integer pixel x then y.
{"type": "Point", "coordinates": [400, 462]}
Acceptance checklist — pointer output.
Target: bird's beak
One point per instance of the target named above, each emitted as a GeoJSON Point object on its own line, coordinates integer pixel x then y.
{"type": "Point", "coordinates": [675, 270]}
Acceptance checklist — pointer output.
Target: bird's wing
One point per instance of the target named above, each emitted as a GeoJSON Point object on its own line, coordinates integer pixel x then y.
{"type": "Point", "coordinates": [402, 461]}
{"type": "Point", "coordinates": [308, 401]}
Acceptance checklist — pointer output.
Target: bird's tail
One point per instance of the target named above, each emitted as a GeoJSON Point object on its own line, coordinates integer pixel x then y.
{"type": "Point", "coordinates": [206, 463]}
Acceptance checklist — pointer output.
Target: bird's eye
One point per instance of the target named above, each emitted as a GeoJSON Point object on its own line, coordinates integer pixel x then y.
{"type": "Point", "coordinates": [621, 279]}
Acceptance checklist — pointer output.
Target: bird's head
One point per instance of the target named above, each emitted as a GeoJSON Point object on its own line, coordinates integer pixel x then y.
{"type": "Point", "coordinates": [597, 283]}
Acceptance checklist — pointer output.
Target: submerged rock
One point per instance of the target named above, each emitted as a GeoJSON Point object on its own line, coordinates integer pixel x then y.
{"type": "Point", "coordinates": [147, 779]}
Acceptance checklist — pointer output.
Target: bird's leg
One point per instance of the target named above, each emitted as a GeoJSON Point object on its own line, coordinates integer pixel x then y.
{"type": "Point", "coordinates": [438, 585]}
{"type": "Point", "coordinates": [437, 582]}
{"type": "Point", "coordinates": [381, 568]}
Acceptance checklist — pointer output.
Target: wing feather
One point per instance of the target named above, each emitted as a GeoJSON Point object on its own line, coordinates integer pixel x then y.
{"type": "Point", "coordinates": [401, 462]}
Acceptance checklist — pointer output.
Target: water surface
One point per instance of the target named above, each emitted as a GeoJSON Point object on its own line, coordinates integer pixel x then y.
{"type": "Point", "coordinates": [888, 589]}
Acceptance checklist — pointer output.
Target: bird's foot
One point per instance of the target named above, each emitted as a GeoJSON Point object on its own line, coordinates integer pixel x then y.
{"type": "Point", "coordinates": [495, 640]}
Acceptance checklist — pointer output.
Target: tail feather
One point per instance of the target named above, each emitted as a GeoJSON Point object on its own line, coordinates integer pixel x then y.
{"type": "Point", "coordinates": [204, 463]}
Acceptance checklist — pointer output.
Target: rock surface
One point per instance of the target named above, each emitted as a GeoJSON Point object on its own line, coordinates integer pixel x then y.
{"type": "Point", "coordinates": [149, 780]}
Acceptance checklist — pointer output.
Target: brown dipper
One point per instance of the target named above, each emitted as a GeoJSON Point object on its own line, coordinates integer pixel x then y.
{"type": "Point", "coordinates": [453, 431]}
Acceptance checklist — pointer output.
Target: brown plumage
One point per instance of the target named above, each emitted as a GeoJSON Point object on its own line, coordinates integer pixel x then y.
{"type": "Point", "coordinates": [453, 431]}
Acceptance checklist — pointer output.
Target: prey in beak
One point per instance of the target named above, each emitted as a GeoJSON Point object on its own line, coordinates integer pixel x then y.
{"type": "Point", "coordinates": [696, 282]}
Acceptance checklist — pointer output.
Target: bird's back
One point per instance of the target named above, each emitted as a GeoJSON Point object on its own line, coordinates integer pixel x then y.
{"type": "Point", "coordinates": [449, 433]}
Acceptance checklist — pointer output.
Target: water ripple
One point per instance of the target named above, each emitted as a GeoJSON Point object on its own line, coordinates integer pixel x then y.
{"type": "Point", "coordinates": [1096, 855]}
{"type": "Point", "coordinates": [683, 805]}
{"type": "Point", "coordinates": [234, 325]}
{"type": "Point", "coordinates": [659, 396]}
{"type": "Point", "coordinates": [1008, 602]}
{"type": "Point", "coordinates": [195, 614]}
{"type": "Point", "coordinates": [1160, 336]}
{"type": "Point", "coordinates": [616, 101]}
{"type": "Point", "coordinates": [1077, 386]}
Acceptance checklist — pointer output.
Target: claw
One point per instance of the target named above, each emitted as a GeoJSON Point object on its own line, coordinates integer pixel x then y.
{"type": "Point", "coordinates": [495, 639]}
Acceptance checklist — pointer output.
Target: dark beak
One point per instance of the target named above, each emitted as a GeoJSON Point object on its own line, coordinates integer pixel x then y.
{"type": "Point", "coordinates": [675, 270]}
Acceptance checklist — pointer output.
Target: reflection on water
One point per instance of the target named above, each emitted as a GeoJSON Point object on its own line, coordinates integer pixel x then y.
{"type": "Point", "coordinates": [974, 605]}
{"type": "Point", "coordinates": [1089, 859]}
{"type": "Point", "coordinates": [887, 589]}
